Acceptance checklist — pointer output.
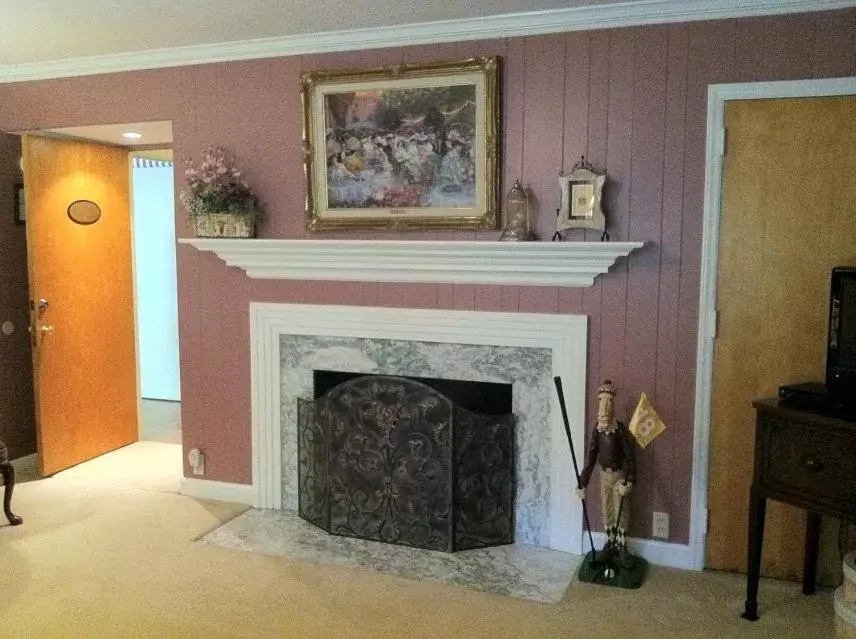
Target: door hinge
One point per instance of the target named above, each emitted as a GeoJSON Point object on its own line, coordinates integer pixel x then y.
{"type": "Point", "coordinates": [724, 141]}
{"type": "Point", "coordinates": [713, 328]}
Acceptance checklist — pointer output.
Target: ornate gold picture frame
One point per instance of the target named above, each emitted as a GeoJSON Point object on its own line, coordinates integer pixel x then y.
{"type": "Point", "coordinates": [403, 147]}
{"type": "Point", "coordinates": [582, 194]}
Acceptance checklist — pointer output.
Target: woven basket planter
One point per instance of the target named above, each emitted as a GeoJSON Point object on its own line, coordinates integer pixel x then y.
{"type": "Point", "coordinates": [225, 225]}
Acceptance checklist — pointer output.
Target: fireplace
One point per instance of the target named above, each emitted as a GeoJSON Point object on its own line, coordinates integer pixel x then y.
{"type": "Point", "coordinates": [292, 341]}
{"type": "Point", "coordinates": [394, 459]}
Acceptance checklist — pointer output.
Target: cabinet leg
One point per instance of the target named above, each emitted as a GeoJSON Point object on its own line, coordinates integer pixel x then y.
{"type": "Point", "coordinates": [757, 512]}
{"type": "Point", "coordinates": [812, 541]}
{"type": "Point", "coordinates": [8, 473]}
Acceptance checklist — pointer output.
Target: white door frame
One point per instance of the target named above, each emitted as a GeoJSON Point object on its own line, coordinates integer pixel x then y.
{"type": "Point", "coordinates": [717, 96]}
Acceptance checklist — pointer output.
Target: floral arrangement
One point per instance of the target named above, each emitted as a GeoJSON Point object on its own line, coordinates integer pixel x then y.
{"type": "Point", "coordinates": [217, 186]}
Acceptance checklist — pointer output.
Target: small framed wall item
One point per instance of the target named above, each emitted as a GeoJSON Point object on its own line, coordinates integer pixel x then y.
{"type": "Point", "coordinates": [20, 204]}
{"type": "Point", "coordinates": [582, 194]}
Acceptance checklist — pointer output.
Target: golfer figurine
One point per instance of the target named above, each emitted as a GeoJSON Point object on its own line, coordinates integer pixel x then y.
{"type": "Point", "coordinates": [611, 447]}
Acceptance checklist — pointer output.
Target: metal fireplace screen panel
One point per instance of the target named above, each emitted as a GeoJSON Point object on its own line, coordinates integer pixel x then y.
{"type": "Point", "coordinates": [312, 455]}
{"type": "Point", "coordinates": [389, 462]}
{"type": "Point", "coordinates": [484, 480]}
{"type": "Point", "coordinates": [386, 447]}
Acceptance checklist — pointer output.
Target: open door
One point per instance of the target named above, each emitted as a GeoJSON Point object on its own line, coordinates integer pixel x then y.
{"type": "Point", "coordinates": [82, 300]}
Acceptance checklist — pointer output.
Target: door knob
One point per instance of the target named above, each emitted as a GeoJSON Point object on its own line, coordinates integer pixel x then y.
{"type": "Point", "coordinates": [45, 329]}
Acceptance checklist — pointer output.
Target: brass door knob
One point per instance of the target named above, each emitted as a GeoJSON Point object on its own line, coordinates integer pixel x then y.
{"type": "Point", "coordinates": [46, 328]}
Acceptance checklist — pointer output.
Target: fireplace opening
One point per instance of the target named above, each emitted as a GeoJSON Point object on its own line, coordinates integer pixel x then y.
{"type": "Point", "coordinates": [487, 398]}
{"type": "Point", "coordinates": [398, 460]}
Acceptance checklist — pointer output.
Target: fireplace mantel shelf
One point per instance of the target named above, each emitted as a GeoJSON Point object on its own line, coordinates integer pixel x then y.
{"type": "Point", "coordinates": [574, 264]}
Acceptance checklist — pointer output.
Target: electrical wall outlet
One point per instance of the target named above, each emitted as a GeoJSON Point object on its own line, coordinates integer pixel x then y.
{"type": "Point", "coordinates": [196, 458]}
{"type": "Point", "coordinates": [660, 527]}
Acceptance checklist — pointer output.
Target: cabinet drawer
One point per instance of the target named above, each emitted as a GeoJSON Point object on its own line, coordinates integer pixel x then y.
{"type": "Point", "coordinates": [809, 461]}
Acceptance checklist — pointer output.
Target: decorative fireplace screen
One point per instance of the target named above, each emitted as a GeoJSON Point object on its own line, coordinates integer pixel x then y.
{"type": "Point", "coordinates": [391, 459]}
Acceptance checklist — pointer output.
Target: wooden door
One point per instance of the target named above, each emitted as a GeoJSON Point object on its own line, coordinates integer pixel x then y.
{"type": "Point", "coordinates": [84, 360]}
{"type": "Point", "coordinates": [788, 216]}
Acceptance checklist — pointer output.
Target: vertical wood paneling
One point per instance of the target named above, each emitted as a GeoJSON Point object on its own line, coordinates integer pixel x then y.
{"type": "Point", "coordinates": [445, 296]}
{"type": "Point", "coordinates": [513, 112]}
{"type": "Point", "coordinates": [489, 298]}
{"type": "Point", "coordinates": [419, 295]}
{"type": "Point", "coordinates": [510, 299]}
{"type": "Point", "coordinates": [646, 196]}
{"type": "Point", "coordinates": [575, 143]}
{"type": "Point", "coordinates": [834, 44]}
{"type": "Point", "coordinates": [464, 297]}
{"type": "Point", "coordinates": [598, 97]}
{"type": "Point", "coordinates": [543, 129]}
{"type": "Point", "coordinates": [670, 264]}
{"type": "Point", "coordinates": [342, 293]}
{"type": "Point", "coordinates": [710, 61]}
{"type": "Point", "coordinates": [778, 47]}
{"type": "Point", "coordinates": [233, 383]}
{"type": "Point", "coordinates": [562, 96]}
{"type": "Point", "coordinates": [618, 162]}
{"type": "Point", "coordinates": [389, 294]}
{"type": "Point", "coordinates": [539, 299]}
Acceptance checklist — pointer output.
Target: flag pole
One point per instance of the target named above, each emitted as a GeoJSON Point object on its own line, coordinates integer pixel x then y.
{"type": "Point", "coordinates": [558, 382]}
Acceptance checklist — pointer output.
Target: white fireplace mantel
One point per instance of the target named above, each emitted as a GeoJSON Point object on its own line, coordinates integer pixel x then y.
{"type": "Point", "coordinates": [450, 262]}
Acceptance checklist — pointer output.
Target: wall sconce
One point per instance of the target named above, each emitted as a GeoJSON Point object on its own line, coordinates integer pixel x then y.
{"type": "Point", "coordinates": [518, 226]}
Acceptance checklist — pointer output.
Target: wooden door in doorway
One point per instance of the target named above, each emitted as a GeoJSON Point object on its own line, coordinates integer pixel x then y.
{"type": "Point", "coordinates": [84, 360]}
{"type": "Point", "coordinates": [788, 216]}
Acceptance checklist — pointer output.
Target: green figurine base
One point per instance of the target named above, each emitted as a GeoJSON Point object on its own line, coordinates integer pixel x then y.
{"type": "Point", "coordinates": [607, 569]}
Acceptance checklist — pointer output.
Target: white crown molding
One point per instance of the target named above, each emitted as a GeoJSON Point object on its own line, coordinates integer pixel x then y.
{"type": "Point", "coordinates": [217, 490]}
{"type": "Point", "coordinates": [565, 335]}
{"type": "Point", "coordinates": [604, 16]}
{"type": "Point", "coordinates": [458, 262]}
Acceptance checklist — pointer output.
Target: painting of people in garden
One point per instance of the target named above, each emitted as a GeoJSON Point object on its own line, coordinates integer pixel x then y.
{"type": "Point", "coordinates": [401, 148]}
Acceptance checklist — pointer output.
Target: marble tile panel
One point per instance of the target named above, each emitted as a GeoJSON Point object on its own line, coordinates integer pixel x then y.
{"type": "Point", "coordinates": [516, 570]}
{"type": "Point", "coordinates": [528, 370]}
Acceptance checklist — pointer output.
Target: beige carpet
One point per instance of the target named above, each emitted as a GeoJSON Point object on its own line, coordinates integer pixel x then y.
{"type": "Point", "coordinates": [97, 558]}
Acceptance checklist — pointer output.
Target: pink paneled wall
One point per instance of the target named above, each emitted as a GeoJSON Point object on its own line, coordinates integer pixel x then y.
{"type": "Point", "coordinates": [632, 100]}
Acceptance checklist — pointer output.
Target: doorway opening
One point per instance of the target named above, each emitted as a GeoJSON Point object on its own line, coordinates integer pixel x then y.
{"type": "Point", "coordinates": [156, 300]}
{"type": "Point", "coordinates": [105, 347]}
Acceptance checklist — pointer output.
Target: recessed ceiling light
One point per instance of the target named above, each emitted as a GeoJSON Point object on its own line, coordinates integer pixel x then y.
{"type": "Point", "coordinates": [132, 135]}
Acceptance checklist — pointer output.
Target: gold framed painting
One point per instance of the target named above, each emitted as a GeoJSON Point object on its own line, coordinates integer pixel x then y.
{"type": "Point", "coordinates": [413, 146]}
{"type": "Point", "coordinates": [582, 196]}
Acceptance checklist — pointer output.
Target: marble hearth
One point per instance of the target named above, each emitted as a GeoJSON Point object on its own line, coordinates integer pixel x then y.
{"type": "Point", "coordinates": [289, 342]}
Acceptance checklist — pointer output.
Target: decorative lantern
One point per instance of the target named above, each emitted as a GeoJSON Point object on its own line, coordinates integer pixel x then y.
{"type": "Point", "coordinates": [518, 227]}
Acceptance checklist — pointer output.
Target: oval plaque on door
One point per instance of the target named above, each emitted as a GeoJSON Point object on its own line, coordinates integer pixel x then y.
{"type": "Point", "coordinates": [84, 212]}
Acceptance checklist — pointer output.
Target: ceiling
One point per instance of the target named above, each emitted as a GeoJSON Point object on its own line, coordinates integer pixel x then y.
{"type": "Point", "coordinates": [57, 38]}
{"type": "Point", "coordinates": [47, 30]}
{"type": "Point", "coordinates": [153, 133]}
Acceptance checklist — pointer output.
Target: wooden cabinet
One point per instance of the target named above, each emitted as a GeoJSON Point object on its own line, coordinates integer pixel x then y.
{"type": "Point", "coordinates": [802, 458]}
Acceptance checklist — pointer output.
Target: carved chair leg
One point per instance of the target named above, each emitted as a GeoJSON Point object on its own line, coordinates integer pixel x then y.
{"type": "Point", "coordinates": [8, 472]}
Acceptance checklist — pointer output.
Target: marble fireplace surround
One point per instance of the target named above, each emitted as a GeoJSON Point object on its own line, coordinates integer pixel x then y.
{"type": "Point", "coordinates": [289, 341]}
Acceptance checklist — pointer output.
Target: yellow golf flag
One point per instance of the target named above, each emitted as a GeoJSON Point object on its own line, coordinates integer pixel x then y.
{"type": "Point", "coordinates": [645, 423]}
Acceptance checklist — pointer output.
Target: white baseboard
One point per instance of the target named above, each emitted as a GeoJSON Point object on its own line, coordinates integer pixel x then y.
{"type": "Point", "coordinates": [219, 490]}
{"type": "Point", "coordinates": [660, 553]}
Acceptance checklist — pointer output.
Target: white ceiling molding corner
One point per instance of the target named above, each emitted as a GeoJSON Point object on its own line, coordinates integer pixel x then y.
{"type": "Point", "coordinates": [620, 14]}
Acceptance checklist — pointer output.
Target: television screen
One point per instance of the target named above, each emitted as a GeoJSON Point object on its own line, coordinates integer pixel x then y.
{"type": "Point", "coordinates": [841, 351]}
